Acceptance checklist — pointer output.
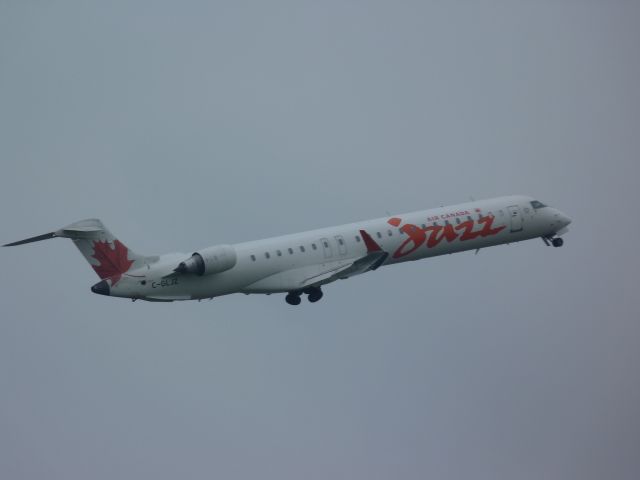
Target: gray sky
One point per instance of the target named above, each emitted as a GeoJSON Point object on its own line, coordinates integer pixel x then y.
{"type": "Point", "coordinates": [185, 124]}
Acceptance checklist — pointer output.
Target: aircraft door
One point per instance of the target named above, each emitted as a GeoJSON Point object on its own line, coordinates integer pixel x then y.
{"type": "Point", "coordinates": [517, 220]}
{"type": "Point", "coordinates": [342, 246]}
{"type": "Point", "coordinates": [326, 248]}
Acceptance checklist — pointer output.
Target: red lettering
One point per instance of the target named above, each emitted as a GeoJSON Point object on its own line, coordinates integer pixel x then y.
{"type": "Point", "coordinates": [416, 237]}
{"type": "Point", "coordinates": [433, 235]}
{"type": "Point", "coordinates": [468, 233]}
{"type": "Point", "coordinates": [439, 233]}
{"type": "Point", "coordinates": [487, 230]}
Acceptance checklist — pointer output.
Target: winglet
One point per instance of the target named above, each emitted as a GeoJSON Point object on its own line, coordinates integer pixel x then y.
{"type": "Point", "coordinates": [372, 246]}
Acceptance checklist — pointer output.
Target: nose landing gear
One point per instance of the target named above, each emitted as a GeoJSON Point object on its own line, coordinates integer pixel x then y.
{"type": "Point", "coordinates": [556, 242]}
{"type": "Point", "coordinates": [313, 294]}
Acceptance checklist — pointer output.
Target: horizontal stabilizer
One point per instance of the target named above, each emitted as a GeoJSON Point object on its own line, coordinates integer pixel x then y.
{"type": "Point", "coordinates": [85, 229]}
{"type": "Point", "coordinates": [37, 238]}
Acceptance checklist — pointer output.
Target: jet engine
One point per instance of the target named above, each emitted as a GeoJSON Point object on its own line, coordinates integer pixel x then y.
{"type": "Point", "coordinates": [209, 261]}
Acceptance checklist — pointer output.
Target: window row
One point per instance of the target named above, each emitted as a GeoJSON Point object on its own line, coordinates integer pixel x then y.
{"type": "Point", "coordinates": [289, 250]}
{"type": "Point", "coordinates": [380, 235]}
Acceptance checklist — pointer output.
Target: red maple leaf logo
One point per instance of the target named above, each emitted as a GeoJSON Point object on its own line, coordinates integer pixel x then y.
{"type": "Point", "coordinates": [113, 261]}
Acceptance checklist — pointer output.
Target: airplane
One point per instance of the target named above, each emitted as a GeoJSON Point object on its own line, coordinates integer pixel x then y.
{"type": "Point", "coordinates": [302, 263]}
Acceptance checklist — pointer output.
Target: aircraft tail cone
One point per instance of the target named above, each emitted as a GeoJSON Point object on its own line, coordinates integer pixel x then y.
{"type": "Point", "coordinates": [101, 288]}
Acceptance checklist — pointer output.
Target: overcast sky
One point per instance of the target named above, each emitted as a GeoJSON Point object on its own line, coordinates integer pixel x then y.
{"type": "Point", "coordinates": [186, 124]}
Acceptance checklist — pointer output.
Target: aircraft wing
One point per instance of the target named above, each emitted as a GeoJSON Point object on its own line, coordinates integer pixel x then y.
{"type": "Point", "coordinates": [371, 261]}
{"type": "Point", "coordinates": [317, 275]}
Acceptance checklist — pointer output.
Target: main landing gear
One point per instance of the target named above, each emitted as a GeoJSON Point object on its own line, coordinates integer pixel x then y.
{"type": "Point", "coordinates": [556, 242]}
{"type": "Point", "coordinates": [313, 295]}
{"type": "Point", "coordinates": [292, 298]}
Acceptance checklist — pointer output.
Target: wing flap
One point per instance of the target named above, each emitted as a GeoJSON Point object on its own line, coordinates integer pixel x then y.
{"type": "Point", "coordinates": [369, 262]}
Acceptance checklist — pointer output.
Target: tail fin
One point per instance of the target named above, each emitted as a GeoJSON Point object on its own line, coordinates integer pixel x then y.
{"type": "Point", "coordinates": [107, 255]}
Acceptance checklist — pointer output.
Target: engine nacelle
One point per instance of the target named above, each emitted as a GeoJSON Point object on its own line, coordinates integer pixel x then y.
{"type": "Point", "coordinates": [209, 260]}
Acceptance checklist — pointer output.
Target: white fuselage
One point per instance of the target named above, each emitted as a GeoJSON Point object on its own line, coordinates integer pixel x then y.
{"type": "Point", "coordinates": [289, 263]}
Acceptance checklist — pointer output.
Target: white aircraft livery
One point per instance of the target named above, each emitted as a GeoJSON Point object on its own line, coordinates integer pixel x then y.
{"type": "Point", "coordinates": [301, 263]}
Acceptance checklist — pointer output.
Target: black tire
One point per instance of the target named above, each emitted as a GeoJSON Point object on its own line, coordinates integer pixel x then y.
{"type": "Point", "coordinates": [557, 242]}
{"type": "Point", "coordinates": [293, 299]}
{"type": "Point", "coordinates": [315, 296]}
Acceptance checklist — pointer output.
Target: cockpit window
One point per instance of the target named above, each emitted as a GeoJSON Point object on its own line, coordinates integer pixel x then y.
{"type": "Point", "coordinates": [536, 204]}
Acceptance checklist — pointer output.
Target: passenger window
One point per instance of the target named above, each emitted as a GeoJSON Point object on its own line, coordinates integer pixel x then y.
{"type": "Point", "coordinates": [340, 241]}
{"type": "Point", "coordinates": [458, 221]}
{"type": "Point", "coordinates": [313, 245]}
{"type": "Point", "coordinates": [290, 251]}
{"type": "Point", "coordinates": [379, 234]}
{"type": "Point", "coordinates": [266, 254]}
{"type": "Point", "coordinates": [526, 209]}
{"type": "Point", "coordinates": [424, 227]}
{"type": "Point", "coordinates": [389, 232]}
{"type": "Point", "coordinates": [469, 218]}
{"type": "Point", "coordinates": [357, 238]}
{"type": "Point", "coordinates": [253, 258]}
{"type": "Point", "coordinates": [326, 244]}
{"type": "Point", "coordinates": [301, 248]}
{"type": "Point", "coordinates": [279, 253]}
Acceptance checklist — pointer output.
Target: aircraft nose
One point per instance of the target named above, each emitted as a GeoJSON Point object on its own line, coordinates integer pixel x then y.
{"type": "Point", "coordinates": [559, 219]}
{"type": "Point", "coordinates": [564, 219]}
{"type": "Point", "coordinates": [101, 288]}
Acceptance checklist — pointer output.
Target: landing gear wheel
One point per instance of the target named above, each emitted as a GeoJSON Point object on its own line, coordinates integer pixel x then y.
{"type": "Point", "coordinates": [292, 299]}
{"type": "Point", "coordinates": [315, 295]}
{"type": "Point", "coordinates": [557, 242]}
